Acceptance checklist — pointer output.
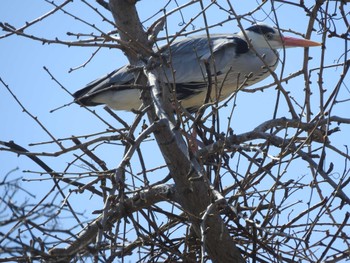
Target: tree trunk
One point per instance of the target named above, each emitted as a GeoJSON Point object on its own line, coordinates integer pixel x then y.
{"type": "Point", "coordinates": [192, 185]}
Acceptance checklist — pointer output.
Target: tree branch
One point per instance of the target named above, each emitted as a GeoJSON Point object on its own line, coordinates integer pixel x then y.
{"type": "Point", "coordinates": [140, 200]}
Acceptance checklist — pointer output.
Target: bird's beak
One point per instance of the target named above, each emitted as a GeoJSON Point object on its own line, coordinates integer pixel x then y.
{"type": "Point", "coordinates": [299, 42]}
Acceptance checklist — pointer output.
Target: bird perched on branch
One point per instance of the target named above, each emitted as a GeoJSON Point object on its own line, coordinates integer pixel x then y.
{"type": "Point", "coordinates": [235, 61]}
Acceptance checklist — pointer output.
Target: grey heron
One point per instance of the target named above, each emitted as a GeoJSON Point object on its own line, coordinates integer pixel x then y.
{"type": "Point", "coordinates": [233, 63]}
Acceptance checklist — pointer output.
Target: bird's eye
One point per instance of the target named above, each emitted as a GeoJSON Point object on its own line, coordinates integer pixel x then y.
{"type": "Point", "coordinates": [269, 36]}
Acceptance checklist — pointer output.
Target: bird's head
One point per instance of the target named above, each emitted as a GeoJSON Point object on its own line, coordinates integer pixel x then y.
{"type": "Point", "coordinates": [265, 36]}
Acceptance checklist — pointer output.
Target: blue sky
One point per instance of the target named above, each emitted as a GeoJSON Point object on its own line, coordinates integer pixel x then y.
{"type": "Point", "coordinates": [22, 62]}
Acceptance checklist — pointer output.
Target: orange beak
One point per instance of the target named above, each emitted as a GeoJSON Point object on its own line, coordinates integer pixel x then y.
{"type": "Point", "coordinates": [299, 42]}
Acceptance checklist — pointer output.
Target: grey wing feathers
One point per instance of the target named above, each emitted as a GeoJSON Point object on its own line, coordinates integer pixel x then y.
{"type": "Point", "coordinates": [187, 57]}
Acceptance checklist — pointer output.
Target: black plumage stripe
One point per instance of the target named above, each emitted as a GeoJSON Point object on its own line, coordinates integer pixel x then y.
{"type": "Point", "coordinates": [187, 90]}
{"type": "Point", "coordinates": [241, 45]}
{"type": "Point", "coordinates": [261, 29]}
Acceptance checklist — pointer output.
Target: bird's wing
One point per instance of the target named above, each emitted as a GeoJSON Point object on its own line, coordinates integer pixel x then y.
{"type": "Point", "coordinates": [186, 57]}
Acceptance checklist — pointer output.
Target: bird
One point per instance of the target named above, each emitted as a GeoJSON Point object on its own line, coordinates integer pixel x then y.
{"type": "Point", "coordinates": [235, 61]}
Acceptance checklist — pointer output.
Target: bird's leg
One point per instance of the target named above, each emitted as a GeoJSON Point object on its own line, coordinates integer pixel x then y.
{"type": "Point", "coordinates": [192, 142]}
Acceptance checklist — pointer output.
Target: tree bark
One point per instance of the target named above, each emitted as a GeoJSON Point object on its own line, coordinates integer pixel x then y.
{"type": "Point", "coordinates": [192, 186]}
